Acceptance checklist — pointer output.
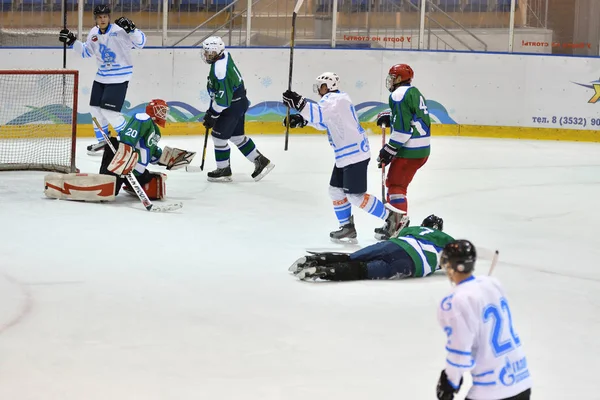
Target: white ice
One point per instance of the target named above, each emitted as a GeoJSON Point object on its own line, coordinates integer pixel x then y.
{"type": "Point", "coordinates": [112, 302]}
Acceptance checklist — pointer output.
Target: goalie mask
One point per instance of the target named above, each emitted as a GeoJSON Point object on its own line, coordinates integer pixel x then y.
{"type": "Point", "coordinates": [158, 110]}
{"type": "Point", "coordinates": [399, 74]}
{"type": "Point", "coordinates": [212, 49]}
{"type": "Point", "coordinates": [330, 79]}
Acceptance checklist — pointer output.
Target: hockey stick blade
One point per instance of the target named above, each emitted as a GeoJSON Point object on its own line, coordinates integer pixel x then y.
{"type": "Point", "coordinates": [166, 207]}
{"type": "Point", "coordinates": [192, 168]}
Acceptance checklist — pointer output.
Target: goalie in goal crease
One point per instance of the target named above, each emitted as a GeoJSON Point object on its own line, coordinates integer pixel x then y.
{"type": "Point", "coordinates": [136, 147]}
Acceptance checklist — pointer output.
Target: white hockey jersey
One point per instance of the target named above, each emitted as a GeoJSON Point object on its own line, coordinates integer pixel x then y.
{"type": "Point", "coordinates": [112, 50]}
{"type": "Point", "coordinates": [335, 113]}
{"type": "Point", "coordinates": [482, 339]}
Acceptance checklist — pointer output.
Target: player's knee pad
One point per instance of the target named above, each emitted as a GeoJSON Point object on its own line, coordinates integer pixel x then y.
{"type": "Point", "coordinates": [154, 185]}
{"type": "Point", "coordinates": [219, 142]}
{"type": "Point", "coordinates": [83, 187]}
{"type": "Point", "coordinates": [114, 118]}
{"type": "Point", "coordinates": [238, 140]}
{"type": "Point", "coordinates": [336, 193]}
{"type": "Point", "coordinates": [357, 199]}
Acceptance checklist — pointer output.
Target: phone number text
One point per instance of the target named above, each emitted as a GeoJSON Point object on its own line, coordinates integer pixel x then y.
{"type": "Point", "coordinates": [562, 121]}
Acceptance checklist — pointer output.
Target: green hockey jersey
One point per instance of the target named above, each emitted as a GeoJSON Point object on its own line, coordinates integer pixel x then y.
{"type": "Point", "coordinates": [424, 246]}
{"type": "Point", "coordinates": [225, 83]}
{"type": "Point", "coordinates": [411, 124]}
{"type": "Point", "coordinates": [143, 134]}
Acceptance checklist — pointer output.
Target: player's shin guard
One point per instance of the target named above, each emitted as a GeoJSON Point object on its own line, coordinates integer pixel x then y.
{"type": "Point", "coordinates": [341, 205]}
{"type": "Point", "coordinates": [222, 152]}
{"type": "Point", "coordinates": [369, 203]}
{"type": "Point", "coordinates": [114, 118]}
{"type": "Point", "coordinates": [246, 146]}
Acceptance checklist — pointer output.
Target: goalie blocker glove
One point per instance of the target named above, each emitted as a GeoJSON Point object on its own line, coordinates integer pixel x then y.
{"type": "Point", "coordinates": [66, 36]}
{"type": "Point", "coordinates": [124, 160]}
{"type": "Point", "coordinates": [296, 121]}
{"type": "Point", "coordinates": [126, 24]}
{"type": "Point", "coordinates": [294, 100]}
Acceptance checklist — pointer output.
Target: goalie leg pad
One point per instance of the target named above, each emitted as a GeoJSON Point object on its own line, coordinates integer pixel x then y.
{"type": "Point", "coordinates": [174, 158]}
{"type": "Point", "coordinates": [83, 187]}
{"type": "Point", "coordinates": [155, 187]}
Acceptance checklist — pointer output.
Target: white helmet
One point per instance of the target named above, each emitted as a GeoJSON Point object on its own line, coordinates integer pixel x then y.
{"type": "Point", "coordinates": [212, 49]}
{"type": "Point", "coordinates": [330, 79]}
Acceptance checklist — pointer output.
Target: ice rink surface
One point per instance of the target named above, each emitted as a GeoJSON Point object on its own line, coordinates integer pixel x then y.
{"type": "Point", "coordinates": [108, 301]}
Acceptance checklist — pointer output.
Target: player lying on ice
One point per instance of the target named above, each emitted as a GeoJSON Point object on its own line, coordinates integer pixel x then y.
{"type": "Point", "coordinates": [136, 147]}
{"type": "Point", "coordinates": [412, 252]}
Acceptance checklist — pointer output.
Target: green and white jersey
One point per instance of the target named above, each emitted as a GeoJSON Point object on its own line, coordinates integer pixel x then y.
{"type": "Point", "coordinates": [143, 134]}
{"type": "Point", "coordinates": [424, 246]}
{"type": "Point", "coordinates": [225, 83]}
{"type": "Point", "coordinates": [411, 124]}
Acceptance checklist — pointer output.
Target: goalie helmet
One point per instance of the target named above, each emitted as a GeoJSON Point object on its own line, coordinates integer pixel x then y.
{"type": "Point", "coordinates": [212, 49]}
{"type": "Point", "coordinates": [433, 222]}
{"type": "Point", "coordinates": [158, 110]}
{"type": "Point", "coordinates": [101, 9]}
{"type": "Point", "coordinates": [397, 75]}
{"type": "Point", "coordinates": [330, 79]}
{"type": "Point", "coordinates": [459, 256]}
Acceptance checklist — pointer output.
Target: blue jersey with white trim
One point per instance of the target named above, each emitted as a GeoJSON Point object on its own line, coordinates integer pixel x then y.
{"type": "Point", "coordinates": [112, 50]}
{"type": "Point", "coordinates": [335, 114]}
{"type": "Point", "coordinates": [482, 339]}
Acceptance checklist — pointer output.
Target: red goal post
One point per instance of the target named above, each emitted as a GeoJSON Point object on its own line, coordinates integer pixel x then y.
{"type": "Point", "coordinates": [38, 120]}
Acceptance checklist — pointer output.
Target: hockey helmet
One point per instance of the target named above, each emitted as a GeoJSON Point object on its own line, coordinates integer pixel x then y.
{"type": "Point", "coordinates": [433, 222]}
{"type": "Point", "coordinates": [101, 9]}
{"type": "Point", "coordinates": [212, 49]}
{"type": "Point", "coordinates": [398, 74]}
{"type": "Point", "coordinates": [459, 256]}
{"type": "Point", "coordinates": [331, 79]}
{"type": "Point", "coordinates": [158, 110]}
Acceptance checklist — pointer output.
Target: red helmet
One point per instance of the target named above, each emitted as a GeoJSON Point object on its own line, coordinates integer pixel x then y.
{"type": "Point", "coordinates": [158, 109]}
{"type": "Point", "coordinates": [399, 73]}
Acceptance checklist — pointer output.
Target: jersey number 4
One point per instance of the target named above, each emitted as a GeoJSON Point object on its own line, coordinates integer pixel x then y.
{"type": "Point", "coordinates": [494, 314]}
{"type": "Point", "coordinates": [423, 106]}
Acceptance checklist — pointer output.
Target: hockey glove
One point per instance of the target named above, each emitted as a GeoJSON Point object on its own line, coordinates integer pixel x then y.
{"type": "Point", "coordinates": [444, 390]}
{"type": "Point", "coordinates": [125, 23]}
{"type": "Point", "coordinates": [66, 36]}
{"type": "Point", "coordinates": [210, 118]}
{"type": "Point", "coordinates": [386, 155]}
{"type": "Point", "coordinates": [383, 118]}
{"type": "Point", "coordinates": [124, 160]}
{"type": "Point", "coordinates": [293, 100]}
{"type": "Point", "coordinates": [296, 121]}
{"type": "Point", "coordinates": [174, 158]}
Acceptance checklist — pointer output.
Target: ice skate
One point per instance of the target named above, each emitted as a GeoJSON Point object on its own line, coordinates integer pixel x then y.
{"type": "Point", "coordinates": [315, 259]}
{"type": "Point", "coordinates": [220, 175]}
{"type": "Point", "coordinates": [262, 166]}
{"type": "Point", "coordinates": [312, 272]}
{"type": "Point", "coordinates": [346, 234]}
{"type": "Point", "coordinates": [394, 223]}
{"type": "Point", "coordinates": [96, 149]}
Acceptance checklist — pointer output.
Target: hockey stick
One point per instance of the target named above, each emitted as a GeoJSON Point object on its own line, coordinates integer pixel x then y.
{"type": "Point", "coordinates": [293, 33]}
{"type": "Point", "coordinates": [383, 198]}
{"type": "Point", "coordinates": [494, 262]}
{"type": "Point", "coordinates": [193, 168]}
{"type": "Point", "coordinates": [136, 185]}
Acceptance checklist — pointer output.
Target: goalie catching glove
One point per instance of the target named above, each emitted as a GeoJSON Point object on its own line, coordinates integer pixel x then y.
{"type": "Point", "coordinates": [124, 160]}
{"type": "Point", "coordinates": [174, 158]}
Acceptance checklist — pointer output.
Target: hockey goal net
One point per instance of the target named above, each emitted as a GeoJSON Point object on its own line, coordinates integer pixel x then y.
{"type": "Point", "coordinates": [38, 120]}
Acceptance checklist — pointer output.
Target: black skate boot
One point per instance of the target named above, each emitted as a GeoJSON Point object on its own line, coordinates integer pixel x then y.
{"type": "Point", "coordinates": [394, 223]}
{"type": "Point", "coordinates": [220, 175]}
{"type": "Point", "coordinates": [96, 149]}
{"type": "Point", "coordinates": [318, 259]}
{"type": "Point", "coordinates": [262, 166]}
{"type": "Point", "coordinates": [346, 233]}
{"type": "Point", "coordinates": [339, 271]}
